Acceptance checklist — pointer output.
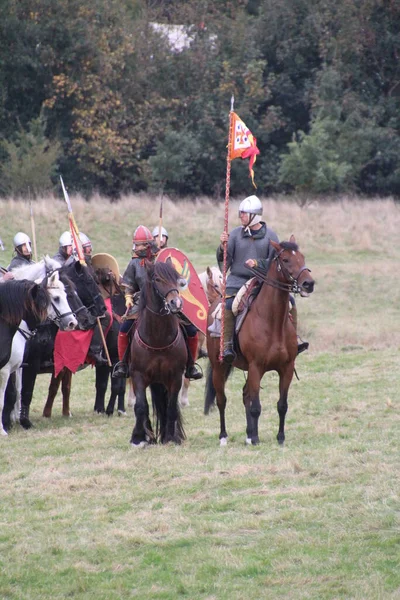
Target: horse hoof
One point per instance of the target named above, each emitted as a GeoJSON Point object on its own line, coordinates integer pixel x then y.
{"type": "Point", "coordinates": [26, 423]}
{"type": "Point", "coordinates": [3, 432]}
{"type": "Point", "coordinates": [122, 413]}
{"type": "Point", "coordinates": [184, 402]}
{"type": "Point", "coordinates": [140, 445]}
{"type": "Point", "coordinates": [223, 442]}
{"type": "Point", "coordinates": [248, 442]}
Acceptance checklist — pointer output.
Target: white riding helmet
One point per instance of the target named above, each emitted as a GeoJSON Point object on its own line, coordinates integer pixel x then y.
{"type": "Point", "coordinates": [20, 239]}
{"type": "Point", "coordinates": [253, 206]}
{"type": "Point", "coordinates": [164, 232]}
{"type": "Point", "coordinates": [85, 241]}
{"type": "Point", "coordinates": [65, 239]}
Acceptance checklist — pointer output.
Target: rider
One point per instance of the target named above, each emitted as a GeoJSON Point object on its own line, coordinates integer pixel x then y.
{"type": "Point", "coordinates": [64, 253]}
{"type": "Point", "coordinates": [164, 236]}
{"type": "Point", "coordinates": [246, 244]}
{"type": "Point", "coordinates": [86, 247]}
{"type": "Point", "coordinates": [23, 250]}
{"type": "Point", "coordinates": [132, 281]}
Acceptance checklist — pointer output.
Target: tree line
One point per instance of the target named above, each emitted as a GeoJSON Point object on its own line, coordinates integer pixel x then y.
{"type": "Point", "coordinates": [95, 91]}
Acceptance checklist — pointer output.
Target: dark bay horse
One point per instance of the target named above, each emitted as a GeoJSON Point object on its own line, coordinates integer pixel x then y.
{"type": "Point", "coordinates": [23, 306]}
{"type": "Point", "coordinates": [158, 357]}
{"type": "Point", "coordinates": [87, 303]}
{"type": "Point", "coordinates": [110, 289]}
{"type": "Point", "coordinates": [267, 340]}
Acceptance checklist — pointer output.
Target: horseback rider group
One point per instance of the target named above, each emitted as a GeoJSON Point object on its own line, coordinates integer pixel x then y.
{"type": "Point", "coordinates": [248, 246]}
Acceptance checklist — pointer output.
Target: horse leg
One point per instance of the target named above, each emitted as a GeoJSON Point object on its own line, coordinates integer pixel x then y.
{"type": "Point", "coordinates": [252, 404]}
{"type": "Point", "coordinates": [285, 378]}
{"type": "Point", "coordinates": [28, 383]}
{"type": "Point", "coordinates": [183, 399]}
{"type": "Point", "coordinates": [174, 428]}
{"type": "Point", "coordinates": [102, 374]}
{"type": "Point", "coordinates": [16, 412]}
{"type": "Point", "coordinates": [52, 393]}
{"type": "Point", "coordinates": [219, 377]}
{"type": "Point", "coordinates": [4, 376]}
{"type": "Point", "coordinates": [10, 398]}
{"type": "Point", "coordinates": [120, 387]}
{"type": "Point", "coordinates": [142, 432]}
{"type": "Point", "coordinates": [66, 392]}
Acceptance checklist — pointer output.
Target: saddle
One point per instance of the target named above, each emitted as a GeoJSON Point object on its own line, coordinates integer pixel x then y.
{"type": "Point", "coordinates": [241, 306]}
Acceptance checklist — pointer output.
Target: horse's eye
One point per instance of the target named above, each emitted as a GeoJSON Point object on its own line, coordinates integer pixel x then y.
{"type": "Point", "coordinates": [182, 284]}
{"type": "Point", "coordinates": [285, 260]}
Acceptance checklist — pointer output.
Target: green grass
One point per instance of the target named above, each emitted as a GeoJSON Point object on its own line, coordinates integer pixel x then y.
{"type": "Point", "coordinates": [85, 516]}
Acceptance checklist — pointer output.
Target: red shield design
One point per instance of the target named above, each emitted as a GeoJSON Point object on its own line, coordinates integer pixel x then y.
{"type": "Point", "coordinates": [195, 304]}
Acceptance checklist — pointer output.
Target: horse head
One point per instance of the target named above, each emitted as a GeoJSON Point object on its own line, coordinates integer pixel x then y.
{"type": "Point", "coordinates": [213, 284]}
{"type": "Point", "coordinates": [165, 283]}
{"type": "Point", "coordinates": [292, 268]}
{"type": "Point", "coordinates": [85, 319]}
{"type": "Point", "coordinates": [86, 286]}
{"type": "Point", "coordinates": [59, 309]}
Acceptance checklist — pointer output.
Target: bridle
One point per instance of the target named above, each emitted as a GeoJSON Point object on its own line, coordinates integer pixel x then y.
{"type": "Point", "coordinates": [291, 284]}
{"type": "Point", "coordinates": [59, 315]}
{"type": "Point", "coordinates": [165, 308]}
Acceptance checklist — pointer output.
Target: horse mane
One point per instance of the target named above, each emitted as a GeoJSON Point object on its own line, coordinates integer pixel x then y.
{"type": "Point", "coordinates": [162, 270]}
{"type": "Point", "coordinates": [289, 246]}
{"type": "Point", "coordinates": [37, 271]}
{"type": "Point", "coordinates": [19, 297]}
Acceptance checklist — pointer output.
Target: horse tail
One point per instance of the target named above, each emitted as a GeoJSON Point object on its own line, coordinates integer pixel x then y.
{"type": "Point", "coordinates": [159, 398]}
{"type": "Point", "coordinates": [209, 390]}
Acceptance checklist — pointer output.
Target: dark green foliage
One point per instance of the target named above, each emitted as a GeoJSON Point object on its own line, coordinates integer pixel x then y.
{"type": "Point", "coordinates": [317, 83]}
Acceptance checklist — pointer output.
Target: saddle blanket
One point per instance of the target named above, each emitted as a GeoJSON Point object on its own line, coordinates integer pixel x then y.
{"type": "Point", "coordinates": [71, 347]}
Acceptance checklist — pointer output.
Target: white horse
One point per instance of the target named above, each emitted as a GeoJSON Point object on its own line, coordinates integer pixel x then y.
{"type": "Point", "coordinates": [58, 310]}
{"type": "Point", "coordinates": [211, 280]}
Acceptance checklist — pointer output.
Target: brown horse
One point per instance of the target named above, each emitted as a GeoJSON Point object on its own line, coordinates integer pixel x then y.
{"type": "Point", "coordinates": [267, 340]}
{"type": "Point", "coordinates": [158, 356]}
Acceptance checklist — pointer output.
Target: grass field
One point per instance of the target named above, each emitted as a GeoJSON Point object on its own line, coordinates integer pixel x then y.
{"type": "Point", "coordinates": [85, 516]}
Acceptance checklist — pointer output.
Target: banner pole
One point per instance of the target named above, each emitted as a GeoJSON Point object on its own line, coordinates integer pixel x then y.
{"type": "Point", "coordinates": [226, 219]}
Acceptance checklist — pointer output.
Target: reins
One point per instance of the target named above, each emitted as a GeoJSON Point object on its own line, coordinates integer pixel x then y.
{"type": "Point", "coordinates": [291, 285]}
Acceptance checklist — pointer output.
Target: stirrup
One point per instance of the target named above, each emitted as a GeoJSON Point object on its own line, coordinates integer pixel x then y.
{"type": "Point", "coordinates": [120, 370]}
{"type": "Point", "coordinates": [302, 346]}
{"type": "Point", "coordinates": [194, 372]}
{"type": "Point", "coordinates": [228, 355]}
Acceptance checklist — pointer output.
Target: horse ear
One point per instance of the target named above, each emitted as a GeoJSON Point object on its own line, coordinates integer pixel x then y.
{"type": "Point", "coordinates": [209, 273]}
{"type": "Point", "coordinates": [292, 239]}
{"type": "Point", "coordinates": [275, 245]}
{"type": "Point", "coordinates": [54, 278]}
{"type": "Point", "coordinates": [169, 261]}
{"type": "Point", "coordinates": [34, 290]}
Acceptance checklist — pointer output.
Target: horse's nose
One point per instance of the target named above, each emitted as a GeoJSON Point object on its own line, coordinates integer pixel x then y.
{"type": "Point", "coordinates": [308, 285]}
{"type": "Point", "coordinates": [72, 324]}
{"type": "Point", "coordinates": [176, 304]}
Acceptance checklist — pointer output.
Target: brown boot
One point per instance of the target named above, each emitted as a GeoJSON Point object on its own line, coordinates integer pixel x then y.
{"type": "Point", "coordinates": [301, 346]}
{"type": "Point", "coordinates": [229, 354]}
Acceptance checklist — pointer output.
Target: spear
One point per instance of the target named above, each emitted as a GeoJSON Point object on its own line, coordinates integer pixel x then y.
{"type": "Point", "coordinates": [78, 246]}
{"type": "Point", "coordinates": [33, 229]}
{"type": "Point", "coordinates": [73, 226]}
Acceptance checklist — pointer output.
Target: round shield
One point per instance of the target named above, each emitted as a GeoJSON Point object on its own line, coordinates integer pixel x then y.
{"type": "Point", "coordinates": [195, 304]}
{"type": "Point", "coordinates": [106, 261]}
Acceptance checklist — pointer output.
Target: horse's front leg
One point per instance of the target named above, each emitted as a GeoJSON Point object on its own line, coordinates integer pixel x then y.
{"type": "Point", "coordinates": [142, 433]}
{"type": "Point", "coordinates": [4, 375]}
{"type": "Point", "coordinates": [16, 412]}
{"type": "Point", "coordinates": [174, 429]}
{"type": "Point", "coordinates": [219, 376]}
{"type": "Point", "coordinates": [52, 393]}
{"type": "Point", "coordinates": [285, 378]}
{"type": "Point", "coordinates": [102, 375]}
{"type": "Point", "coordinates": [252, 404]}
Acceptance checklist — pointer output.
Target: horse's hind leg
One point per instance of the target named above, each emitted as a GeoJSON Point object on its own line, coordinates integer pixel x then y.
{"type": "Point", "coordinates": [219, 377]}
{"type": "Point", "coordinates": [52, 393]}
{"type": "Point", "coordinates": [10, 398]}
{"type": "Point", "coordinates": [285, 378]}
{"type": "Point", "coordinates": [252, 404]}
